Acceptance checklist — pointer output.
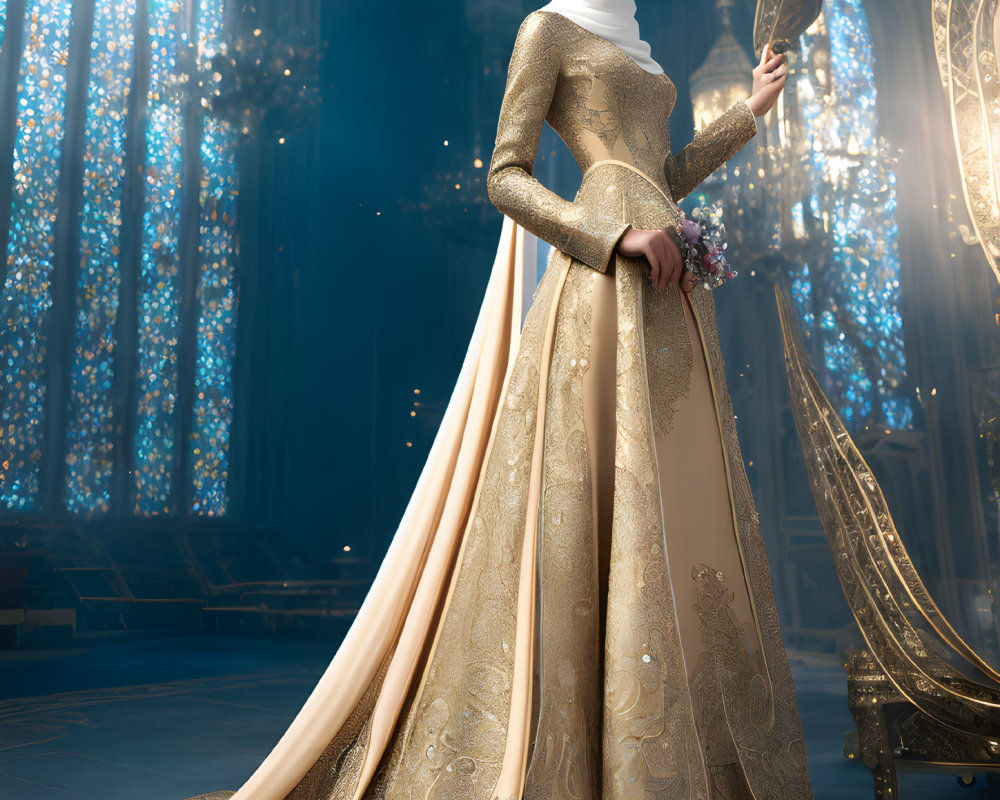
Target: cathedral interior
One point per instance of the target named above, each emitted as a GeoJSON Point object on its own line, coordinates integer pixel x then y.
{"type": "Point", "coordinates": [245, 250]}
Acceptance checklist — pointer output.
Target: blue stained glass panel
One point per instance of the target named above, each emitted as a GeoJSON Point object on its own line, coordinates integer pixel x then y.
{"type": "Point", "coordinates": [857, 290]}
{"type": "Point", "coordinates": [159, 289]}
{"type": "Point", "coordinates": [211, 18]}
{"type": "Point", "coordinates": [213, 405]}
{"type": "Point", "coordinates": [26, 297]}
{"type": "Point", "coordinates": [89, 432]}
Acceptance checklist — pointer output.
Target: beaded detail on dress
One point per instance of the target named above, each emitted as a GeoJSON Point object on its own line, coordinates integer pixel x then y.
{"type": "Point", "coordinates": [604, 106]}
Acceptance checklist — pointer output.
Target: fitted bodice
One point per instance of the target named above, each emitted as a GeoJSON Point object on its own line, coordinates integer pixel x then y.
{"type": "Point", "coordinates": [607, 109]}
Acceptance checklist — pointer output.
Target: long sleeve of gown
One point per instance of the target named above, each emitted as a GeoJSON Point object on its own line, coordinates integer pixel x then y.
{"type": "Point", "coordinates": [711, 147]}
{"type": "Point", "coordinates": [574, 228]}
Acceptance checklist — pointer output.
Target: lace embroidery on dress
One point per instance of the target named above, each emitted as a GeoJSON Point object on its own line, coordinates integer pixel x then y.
{"type": "Point", "coordinates": [564, 761]}
{"type": "Point", "coordinates": [455, 729]}
{"type": "Point", "coordinates": [713, 145]}
{"type": "Point", "coordinates": [746, 697]}
{"type": "Point", "coordinates": [669, 358]}
{"type": "Point", "coordinates": [650, 745]}
{"type": "Point", "coordinates": [772, 751]}
{"type": "Point", "coordinates": [575, 229]}
{"type": "Point", "coordinates": [710, 716]}
{"type": "Point", "coordinates": [334, 776]}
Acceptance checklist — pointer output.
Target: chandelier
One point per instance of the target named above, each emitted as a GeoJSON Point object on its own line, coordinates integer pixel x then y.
{"type": "Point", "coordinates": [725, 76]}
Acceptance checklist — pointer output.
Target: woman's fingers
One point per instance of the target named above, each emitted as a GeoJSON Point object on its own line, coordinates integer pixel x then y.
{"type": "Point", "coordinates": [655, 259]}
{"type": "Point", "coordinates": [677, 264]}
{"type": "Point", "coordinates": [771, 67]}
{"type": "Point", "coordinates": [671, 256]}
{"type": "Point", "coordinates": [775, 61]}
{"type": "Point", "coordinates": [654, 266]}
{"type": "Point", "coordinates": [657, 254]}
{"type": "Point", "coordinates": [769, 60]}
{"type": "Point", "coordinates": [666, 263]}
{"type": "Point", "coordinates": [663, 254]}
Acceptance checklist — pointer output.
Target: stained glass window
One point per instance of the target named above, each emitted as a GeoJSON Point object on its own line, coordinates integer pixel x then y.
{"type": "Point", "coordinates": [850, 302]}
{"type": "Point", "coordinates": [94, 429]}
{"type": "Point", "coordinates": [89, 460]}
{"type": "Point", "coordinates": [159, 271]}
{"type": "Point", "coordinates": [216, 325]}
{"type": "Point", "coordinates": [217, 299]}
{"type": "Point", "coordinates": [26, 293]}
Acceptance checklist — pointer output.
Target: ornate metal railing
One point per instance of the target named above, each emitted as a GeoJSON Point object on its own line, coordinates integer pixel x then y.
{"type": "Point", "coordinates": [919, 693]}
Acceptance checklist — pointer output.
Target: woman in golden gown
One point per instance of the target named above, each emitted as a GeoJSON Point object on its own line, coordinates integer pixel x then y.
{"type": "Point", "coordinates": [577, 603]}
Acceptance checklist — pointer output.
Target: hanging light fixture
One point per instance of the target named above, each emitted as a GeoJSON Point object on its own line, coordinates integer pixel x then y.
{"type": "Point", "coordinates": [725, 76]}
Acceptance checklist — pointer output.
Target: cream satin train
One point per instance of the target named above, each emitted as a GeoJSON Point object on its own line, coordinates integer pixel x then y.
{"type": "Point", "coordinates": [394, 622]}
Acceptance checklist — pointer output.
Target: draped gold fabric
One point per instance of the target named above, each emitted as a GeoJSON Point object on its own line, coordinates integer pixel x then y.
{"type": "Point", "coordinates": [577, 603]}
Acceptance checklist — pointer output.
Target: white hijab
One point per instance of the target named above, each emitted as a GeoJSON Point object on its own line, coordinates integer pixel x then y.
{"type": "Point", "coordinates": [613, 20]}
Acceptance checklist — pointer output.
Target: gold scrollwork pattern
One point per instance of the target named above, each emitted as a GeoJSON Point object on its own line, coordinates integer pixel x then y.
{"type": "Point", "coordinates": [650, 744]}
{"type": "Point", "coordinates": [452, 739]}
{"type": "Point", "coordinates": [779, 23]}
{"type": "Point", "coordinates": [669, 357]}
{"type": "Point", "coordinates": [564, 762]}
{"type": "Point", "coordinates": [965, 46]}
{"type": "Point", "coordinates": [906, 632]}
{"type": "Point", "coordinates": [334, 775]}
{"type": "Point", "coordinates": [773, 756]}
{"type": "Point", "coordinates": [916, 683]}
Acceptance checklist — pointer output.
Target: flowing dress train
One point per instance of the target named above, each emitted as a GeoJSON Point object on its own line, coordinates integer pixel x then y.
{"type": "Point", "coordinates": [577, 603]}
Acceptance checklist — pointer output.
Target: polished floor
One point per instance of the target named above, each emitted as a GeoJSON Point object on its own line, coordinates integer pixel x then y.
{"type": "Point", "coordinates": [168, 718]}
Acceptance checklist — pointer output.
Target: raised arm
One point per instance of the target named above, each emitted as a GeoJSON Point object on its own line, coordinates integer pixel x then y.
{"type": "Point", "coordinates": [573, 228]}
{"type": "Point", "coordinates": [715, 144]}
{"type": "Point", "coordinates": [711, 147]}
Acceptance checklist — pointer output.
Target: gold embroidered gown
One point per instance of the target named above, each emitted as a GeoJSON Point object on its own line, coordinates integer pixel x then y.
{"type": "Point", "coordinates": [577, 603]}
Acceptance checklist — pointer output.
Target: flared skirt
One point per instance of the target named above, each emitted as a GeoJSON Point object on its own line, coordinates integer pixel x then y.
{"type": "Point", "coordinates": [577, 603]}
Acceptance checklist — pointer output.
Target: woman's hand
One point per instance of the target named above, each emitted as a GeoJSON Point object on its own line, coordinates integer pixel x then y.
{"type": "Point", "coordinates": [660, 250]}
{"type": "Point", "coordinates": [768, 80]}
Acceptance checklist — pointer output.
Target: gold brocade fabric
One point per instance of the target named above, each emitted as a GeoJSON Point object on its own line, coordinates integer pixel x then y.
{"type": "Point", "coordinates": [532, 682]}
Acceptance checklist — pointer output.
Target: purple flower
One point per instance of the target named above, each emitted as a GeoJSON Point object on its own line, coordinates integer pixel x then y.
{"type": "Point", "coordinates": [691, 231]}
{"type": "Point", "coordinates": [703, 246]}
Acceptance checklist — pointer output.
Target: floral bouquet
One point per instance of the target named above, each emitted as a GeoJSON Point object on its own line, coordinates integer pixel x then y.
{"type": "Point", "coordinates": [703, 246]}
